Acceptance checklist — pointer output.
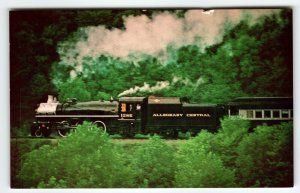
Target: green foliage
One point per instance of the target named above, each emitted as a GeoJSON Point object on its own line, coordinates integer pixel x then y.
{"type": "Point", "coordinates": [116, 136]}
{"type": "Point", "coordinates": [39, 84]}
{"type": "Point", "coordinates": [231, 157]}
{"type": "Point", "coordinates": [73, 88]}
{"type": "Point", "coordinates": [53, 183]}
{"type": "Point", "coordinates": [265, 157]}
{"type": "Point", "coordinates": [102, 96]}
{"type": "Point", "coordinates": [35, 168]}
{"type": "Point", "coordinates": [186, 135]}
{"type": "Point", "coordinates": [154, 162]}
{"type": "Point", "coordinates": [86, 158]}
{"type": "Point", "coordinates": [22, 131]}
{"type": "Point", "coordinates": [224, 143]}
{"type": "Point", "coordinates": [141, 136]}
{"type": "Point", "coordinates": [198, 167]}
{"type": "Point", "coordinates": [18, 149]}
{"type": "Point", "coordinates": [232, 132]}
{"type": "Point", "coordinates": [234, 126]}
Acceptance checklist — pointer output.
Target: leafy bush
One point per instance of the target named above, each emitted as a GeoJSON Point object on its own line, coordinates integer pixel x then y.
{"type": "Point", "coordinates": [186, 135]}
{"type": "Point", "coordinates": [86, 158]}
{"type": "Point", "coordinates": [224, 143]}
{"type": "Point", "coordinates": [208, 160]}
{"type": "Point", "coordinates": [198, 167]}
{"type": "Point", "coordinates": [229, 158]}
{"type": "Point", "coordinates": [53, 183]}
{"type": "Point", "coordinates": [265, 157]}
{"type": "Point", "coordinates": [75, 87]}
{"type": "Point", "coordinates": [21, 131]}
{"type": "Point", "coordinates": [18, 149]}
{"type": "Point", "coordinates": [37, 166]}
{"type": "Point", "coordinates": [233, 130]}
{"type": "Point", "coordinates": [116, 136]}
{"type": "Point", "coordinates": [141, 136]}
{"type": "Point", "coordinates": [154, 162]}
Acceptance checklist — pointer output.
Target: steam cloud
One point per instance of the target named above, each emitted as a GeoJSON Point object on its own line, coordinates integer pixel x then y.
{"type": "Point", "coordinates": [142, 35]}
{"type": "Point", "coordinates": [152, 36]}
{"type": "Point", "coordinates": [160, 86]}
{"type": "Point", "coordinates": [146, 88]}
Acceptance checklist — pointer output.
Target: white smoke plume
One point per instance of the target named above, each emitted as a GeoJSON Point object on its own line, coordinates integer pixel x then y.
{"type": "Point", "coordinates": [143, 35]}
{"type": "Point", "coordinates": [146, 88]}
{"type": "Point", "coordinates": [187, 82]}
{"type": "Point", "coordinates": [161, 85]}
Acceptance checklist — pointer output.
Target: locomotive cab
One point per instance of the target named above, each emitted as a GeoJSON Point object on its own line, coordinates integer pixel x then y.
{"type": "Point", "coordinates": [130, 114]}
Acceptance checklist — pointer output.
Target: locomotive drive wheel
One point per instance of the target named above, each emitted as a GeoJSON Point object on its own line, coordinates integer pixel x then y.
{"type": "Point", "coordinates": [101, 124]}
{"type": "Point", "coordinates": [64, 130]}
{"type": "Point", "coordinates": [36, 132]}
{"type": "Point", "coordinates": [46, 131]}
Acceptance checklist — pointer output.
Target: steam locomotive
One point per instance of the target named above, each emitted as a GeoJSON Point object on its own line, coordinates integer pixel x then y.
{"type": "Point", "coordinates": [166, 116]}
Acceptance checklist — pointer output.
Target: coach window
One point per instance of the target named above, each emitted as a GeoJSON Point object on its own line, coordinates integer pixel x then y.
{"type": "Point", "coordinates": [267, 114]}
{"type": "Point", "coordinates": [249, 114]}
{"type": "Point", "coordinates": [258, 114]}
{"type": "Point", "coordinates": [242, 113]}
{"type": "Point", "coordinates": [276, 114]}
{"type": "Point", "coordinates": [285, 113]}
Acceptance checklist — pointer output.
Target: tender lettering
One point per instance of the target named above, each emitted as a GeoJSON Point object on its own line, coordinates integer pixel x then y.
{"type": "Point", "coordinates": [198, 115]}
{"type": "Point", "coordinates": [167, 115]}
{"type": "Point", "coordinates": [191, 115]}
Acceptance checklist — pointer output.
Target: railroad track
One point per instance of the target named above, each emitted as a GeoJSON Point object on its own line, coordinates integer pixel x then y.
{"type": "Point", "coordinates": [121, 141]}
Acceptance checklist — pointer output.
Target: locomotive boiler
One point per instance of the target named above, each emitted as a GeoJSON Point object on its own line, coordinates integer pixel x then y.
{"type": "Point", "coordinates": [62, 117]}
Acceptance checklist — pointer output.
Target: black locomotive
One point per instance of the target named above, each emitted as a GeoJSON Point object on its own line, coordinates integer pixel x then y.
{"type": "Point", "coordinates": [166, 116]}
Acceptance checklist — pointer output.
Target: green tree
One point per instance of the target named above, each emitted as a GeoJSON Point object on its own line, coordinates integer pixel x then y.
{"type": "Point", "coordinates": [85, 159]}
{"type": "Point", "coordinates": [199, 167]}
{"type": "Point", "coordinates": [53, 183]}
{"type": "Point", "coordinates": [232, 132]}
{"type": "Point", "coordinates": [154, 162]}
{"type": "Point", "coordinates": [204, 160]}
{"type": "Point", "coordinates": [75, 88]}
{"type": "Point", "coordinates": [265, 157]}
{"type": "Point", "coordinates": [251, 60]}
{"type": "Point", "coordinates": [33, 38]}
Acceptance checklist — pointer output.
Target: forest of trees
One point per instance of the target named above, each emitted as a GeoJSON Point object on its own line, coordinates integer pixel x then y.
{"type": "Point", "coordinates": [88, 158]}
{"type": "Point", "coordinates": [251, 59]}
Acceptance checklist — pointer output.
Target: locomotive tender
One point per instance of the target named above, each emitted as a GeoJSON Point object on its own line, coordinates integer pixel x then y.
{"type": "Point", "coordinates": [162, 115]}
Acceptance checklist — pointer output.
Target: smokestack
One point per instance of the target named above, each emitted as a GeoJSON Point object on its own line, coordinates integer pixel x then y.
{"type": "Point", "coordinates": [50, 99]}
